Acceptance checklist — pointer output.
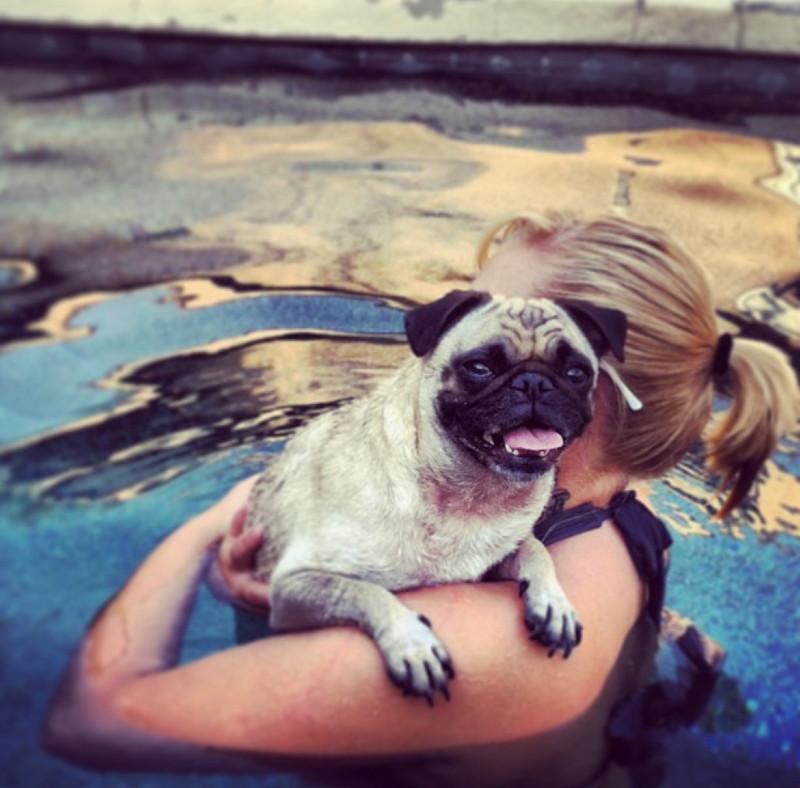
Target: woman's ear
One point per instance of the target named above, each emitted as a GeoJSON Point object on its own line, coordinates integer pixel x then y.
{"type": "Point", "coordinates": [425, 325]}
{"type": "Point", "coordinates": [605, 328]}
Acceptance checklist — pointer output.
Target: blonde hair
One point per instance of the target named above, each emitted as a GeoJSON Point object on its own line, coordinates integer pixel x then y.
{"type": "Point", "coordinates": [669, 352]}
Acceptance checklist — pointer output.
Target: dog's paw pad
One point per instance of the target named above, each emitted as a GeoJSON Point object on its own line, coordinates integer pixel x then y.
{"type": "Point", "coordinates": [551, 619]}
{"type": "Point", "coordinates": [416, 660]}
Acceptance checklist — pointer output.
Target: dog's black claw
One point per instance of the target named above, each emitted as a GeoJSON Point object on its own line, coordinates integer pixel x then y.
{"type": "Point", "coordinates": [552, 651]}
{"type": "Point", "coordinates": [537, 630]}
{"type": "Point", "coordinates": [401, 683]}
{"type": "Point", "coordinates": [429, 699]}
{"type": "Point", "coordinates": [446, 663]}
{"type": "Point", "coordinates": [431, 680]}
{"type": "Point", "coordinates": [446, 693]}
{"type": "Point", "coordinates": [578, 634]}
{"type": "Point", "coordinates": [425, 620]}
{"type": "Point", "coordinates": [524, 585]}
{"type": "Point", "coordinates": [540, 636]}
{"type": "Point", "coordinates": [409, 682]}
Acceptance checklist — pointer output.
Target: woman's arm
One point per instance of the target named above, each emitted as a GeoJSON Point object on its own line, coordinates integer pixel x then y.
{"type": "Point", "coordinates": [138, 633]}
{"type": "Point", "coordinates": [123, 703]}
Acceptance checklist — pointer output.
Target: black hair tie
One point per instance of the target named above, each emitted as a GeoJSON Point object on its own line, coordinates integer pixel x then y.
{"type": "Point", "coordinates": [722, 355]}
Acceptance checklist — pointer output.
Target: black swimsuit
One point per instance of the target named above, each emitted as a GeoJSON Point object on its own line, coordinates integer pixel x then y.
{"type": "Point", "coordinates": [646, 538]}
{"type": "Point", "coordinates": [638, 721]}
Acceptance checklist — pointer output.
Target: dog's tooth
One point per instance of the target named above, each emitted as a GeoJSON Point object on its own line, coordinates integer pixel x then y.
{"type": "Point", "coordinates": [487, 438]}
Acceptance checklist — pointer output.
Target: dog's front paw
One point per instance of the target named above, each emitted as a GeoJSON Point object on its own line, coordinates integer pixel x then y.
{"type": "Point", "coordinates": [550, 618]}
{"type": "Point", "coordinates": [416, 660]}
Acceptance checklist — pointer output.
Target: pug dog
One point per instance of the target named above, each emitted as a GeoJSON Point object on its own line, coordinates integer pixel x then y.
{"type": "Point", "coordinates": [437, 476]}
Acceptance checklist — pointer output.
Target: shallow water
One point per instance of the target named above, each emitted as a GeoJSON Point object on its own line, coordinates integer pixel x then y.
{"type": "Point", "coordinates": [179, 293]}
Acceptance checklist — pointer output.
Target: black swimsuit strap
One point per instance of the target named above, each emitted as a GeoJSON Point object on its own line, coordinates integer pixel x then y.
{"type": "Point", "coordinates": [569, 522]}
{"type": "Point", "coordinates": [646, 538]}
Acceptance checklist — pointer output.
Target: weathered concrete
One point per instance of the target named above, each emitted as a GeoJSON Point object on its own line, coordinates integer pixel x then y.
{"type": "Point", "coordinates": [738, 25]}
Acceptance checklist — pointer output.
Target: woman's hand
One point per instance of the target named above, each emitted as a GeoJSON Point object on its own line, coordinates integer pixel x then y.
{"type": "Point", "coordinates": [231, 575]}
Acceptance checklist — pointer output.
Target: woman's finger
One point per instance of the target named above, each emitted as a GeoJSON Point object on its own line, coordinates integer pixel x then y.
{"type": "Point", "coordinates": [243, 548]}
{"type": "Point", "coordinates": [237, 524]}
{"type": "Point", "coordinates": [254, 593]}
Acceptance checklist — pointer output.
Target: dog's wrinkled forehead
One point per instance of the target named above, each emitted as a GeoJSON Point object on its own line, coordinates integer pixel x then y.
{"type": "Point", "coordinates": [526, 327]}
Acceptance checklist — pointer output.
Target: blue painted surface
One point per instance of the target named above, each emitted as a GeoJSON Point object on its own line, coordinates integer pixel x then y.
{"type": "Point", "coordinates": [60, 560]}
{"type": "Point", "coordinates": [148, 324]}
{"type": "Point", "coordinates": [60, 564]}
{"type": "Point", "coordinates": [743, 593]}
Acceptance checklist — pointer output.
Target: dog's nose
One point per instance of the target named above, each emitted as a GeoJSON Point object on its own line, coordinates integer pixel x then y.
{"type": "Point", "coordinates": [532, 383]}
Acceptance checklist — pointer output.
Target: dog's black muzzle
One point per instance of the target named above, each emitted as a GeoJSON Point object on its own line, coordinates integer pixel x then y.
{"type": "Point", "coordinates": [529, 395]}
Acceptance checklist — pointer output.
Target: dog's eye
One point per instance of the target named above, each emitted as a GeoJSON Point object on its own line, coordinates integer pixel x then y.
{"type": "Point", "coordinates": [576, 375]}
{"type": "Point", "coordinates": [478, 369]}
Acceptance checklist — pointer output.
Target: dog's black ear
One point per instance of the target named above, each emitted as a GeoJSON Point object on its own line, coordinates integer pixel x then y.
{"type": "Point", "coordinates": [425, 325]}
{"type": "Point", "coordinates": [604, 328]}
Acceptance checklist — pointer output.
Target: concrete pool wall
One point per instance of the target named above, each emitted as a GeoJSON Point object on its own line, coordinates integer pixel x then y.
{"type": "Point", "coordinates": [734, 25]}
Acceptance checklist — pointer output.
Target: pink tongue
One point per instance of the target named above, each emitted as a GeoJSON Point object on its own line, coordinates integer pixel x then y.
{"type": "Point", "coordinates": [533, 440]}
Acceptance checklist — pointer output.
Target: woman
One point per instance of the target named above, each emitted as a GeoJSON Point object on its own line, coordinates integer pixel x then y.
{"type": "Point", "coordinates": [321, 700]}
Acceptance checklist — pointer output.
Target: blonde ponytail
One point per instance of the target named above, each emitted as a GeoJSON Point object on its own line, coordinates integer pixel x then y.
{"type": "Point", "coordinates": [765, 405]}
{"type": "Point", "coordinates": [671, 348]}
